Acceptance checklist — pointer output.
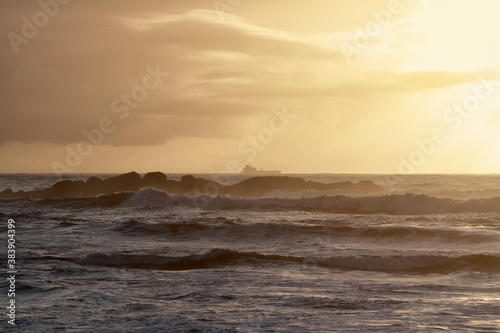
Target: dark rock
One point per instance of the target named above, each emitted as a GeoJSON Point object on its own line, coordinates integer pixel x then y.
{"type": "Point", "coordinates": [190, 185]}
{"type": "Point", "coordinates": [188, 180]}
{"type": "Point", "coordinates": [197, 186]}
{"type": "Point", "coordinates": [68, 188]}
{"type": "Point", "coordinates": [62, 186]}
{"type": "Point", "coordinates": [155, 180]}
{"type": "Point", "coordinates": [129, 182]}
{"type": "Point", "coordinates": [94, 186]}
{"type": "Point", "coordinates": [8, 193]}
{"type": "Point", "coordinates": [94, 182]}
{"type": "Point", "coordinates": [369, 186]}
{"type": "Point", "coordinates": [259, 186]}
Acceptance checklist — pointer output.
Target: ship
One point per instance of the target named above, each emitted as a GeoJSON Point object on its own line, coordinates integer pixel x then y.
{"type": "Point", "coordinates": [250, 170]}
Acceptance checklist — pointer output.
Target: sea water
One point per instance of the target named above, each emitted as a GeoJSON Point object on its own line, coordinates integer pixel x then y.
{"type": "Point", "coordinates": [422, 256]}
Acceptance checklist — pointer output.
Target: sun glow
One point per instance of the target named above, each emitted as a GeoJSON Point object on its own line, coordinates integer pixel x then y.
{"type": "Point", "coordinates": [454, 35]}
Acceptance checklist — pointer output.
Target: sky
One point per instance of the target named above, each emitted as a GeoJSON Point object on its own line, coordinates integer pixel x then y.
{"type": "Point", "coordinates": [203, 86]}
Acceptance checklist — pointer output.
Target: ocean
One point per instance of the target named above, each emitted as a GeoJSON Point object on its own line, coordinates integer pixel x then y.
{"type": "Point", "coordinates": [422, 256]}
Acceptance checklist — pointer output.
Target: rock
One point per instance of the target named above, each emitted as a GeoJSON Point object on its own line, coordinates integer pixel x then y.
{"type": "Point", "coordinates": [67, 188]}
{"type": "Point", "coordinates": [369, 186]}
{"type": "Point", "coordinates": [128, 182]}
{"type": "Point", "coordinates": [8, 193]}
{"type": "Point", "coordinates": [189, 185]}
{"type": "Point", "coordinates": [94, 186]}
{"type": "Point", "coordinates": [21, 195]}
{"type": "Point", "coordinates": [155, 180]}
{"type": "Point", "coordinates": [197, 186]}
{"type": "Point", "coordinates": [188, 180]}
{"type": "Point", "coordinates": [259, 186]}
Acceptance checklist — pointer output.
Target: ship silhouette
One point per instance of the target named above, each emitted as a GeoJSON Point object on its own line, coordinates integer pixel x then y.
{"type": "Point", "coordinates": [250, 170]}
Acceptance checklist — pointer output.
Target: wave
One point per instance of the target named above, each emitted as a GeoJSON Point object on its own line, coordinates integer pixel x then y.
{"type": "Point", "coordinates": [211, 259]}
{"type": "Point", "coordinates": [423, 264]}
{"type": "Point", "coordinates": [228, 230]}
{"type": "Point", "coordinates": [452, 193]}
{"type": "Point", "coordinates": [103, 200]}
{"type": "Point", "coordinates": [134, 227]}
{"type": "Point", "coordinates": [397, 204]}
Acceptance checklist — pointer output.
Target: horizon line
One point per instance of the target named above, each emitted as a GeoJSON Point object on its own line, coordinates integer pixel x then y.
{"type": "Point", "coordinates": [240, 174]}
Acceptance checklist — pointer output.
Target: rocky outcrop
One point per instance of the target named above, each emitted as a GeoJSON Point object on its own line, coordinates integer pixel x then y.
{"type": "Point", "coordinates": [259, 186]}
{"type": "Point", "coordinates": [67, 188]}
{"type": "Point", "coordinates": [129, 182]}
{"type": "Point", "coordinates": [155, 180]}
{"type": "Point", "coordinates": [189, 185]}
{"type": "Point", "coordinates": [196, 186]}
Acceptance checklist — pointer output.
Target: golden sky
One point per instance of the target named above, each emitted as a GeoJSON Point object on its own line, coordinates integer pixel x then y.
{"type": "Point", "coordinates": [333, 86]}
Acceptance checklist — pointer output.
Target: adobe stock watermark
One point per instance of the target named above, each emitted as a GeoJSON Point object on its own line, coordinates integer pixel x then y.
{"type": "Point", "coordinates": [248, 150]}
{"type": "Point", "coordinates": [225, 6]}
{"type": "Point", "coordinates": [121, 107]}
{"type": "Point", "coordinates": [453, 118]}
{"type": "Point", "coordinates": [30, 27]}
{"type": "Point", "coordinates": [12, 271]}
{"type": "Point", "coordinates": [363, 37]}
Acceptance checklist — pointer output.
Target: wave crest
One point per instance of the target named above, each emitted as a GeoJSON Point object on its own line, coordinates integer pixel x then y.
{"type": "Point", "coordinates": [398, 204]}
{"type": "Point", "coordinates": [222, 257]}
{"type": "Point", "coordinates": [325, 230]}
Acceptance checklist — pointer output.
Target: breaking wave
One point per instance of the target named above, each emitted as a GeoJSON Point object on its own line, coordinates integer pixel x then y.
{"type": "Point", "coordinates": [215, 258]}
{"type": "Point", "coordinates": [397, 204]}
{"type": "Point", "coordinates": [226, 230]}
